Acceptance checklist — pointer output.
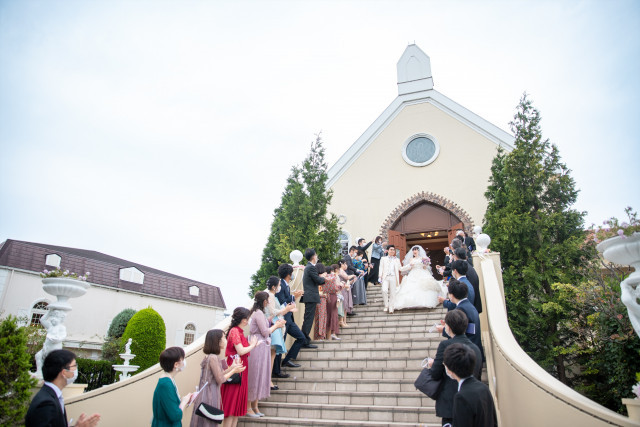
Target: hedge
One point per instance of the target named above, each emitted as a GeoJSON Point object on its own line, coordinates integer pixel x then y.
{"type": "Point", "coordinates": [95, 373]}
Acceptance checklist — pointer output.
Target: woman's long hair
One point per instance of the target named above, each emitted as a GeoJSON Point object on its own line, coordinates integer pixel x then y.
{"type": "Point", "coordinates": [258, 301]}
{"type": "Point", "coordinates": [239, 314]}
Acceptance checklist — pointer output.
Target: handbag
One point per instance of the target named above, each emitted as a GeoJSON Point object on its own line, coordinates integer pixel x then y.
{"type": "Point", "coordinates": [426, 384]}
{"type": "Point", "coordinates": [235, 379]}
{"type": "Point", "coordinates": [210, 412]}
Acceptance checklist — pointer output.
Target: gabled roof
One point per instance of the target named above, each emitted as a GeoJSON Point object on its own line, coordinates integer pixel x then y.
{"type": "Point", "coordinates": [105, 270]}
{"type": "Point", "coordinates": [415, 86]}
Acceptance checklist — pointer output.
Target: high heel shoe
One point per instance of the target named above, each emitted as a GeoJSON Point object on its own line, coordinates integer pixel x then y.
{"type": "Point", "coordinates": [335, 337]}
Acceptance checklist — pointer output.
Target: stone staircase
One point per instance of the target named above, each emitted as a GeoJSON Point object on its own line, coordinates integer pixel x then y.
{"type": "Point", "coordinates": [364, 379]}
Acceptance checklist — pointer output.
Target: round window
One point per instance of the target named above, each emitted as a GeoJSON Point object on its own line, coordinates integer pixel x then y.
{"type": "Point", "coordinates": [420, 150]}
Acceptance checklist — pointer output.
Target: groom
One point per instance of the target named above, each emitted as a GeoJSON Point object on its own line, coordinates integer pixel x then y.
{"type": "Point", "coordinates": [389, 276]}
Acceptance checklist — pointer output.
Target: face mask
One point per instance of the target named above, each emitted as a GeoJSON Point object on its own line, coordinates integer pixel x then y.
{"type": "Point", "coordinates": [278, 290]}
{"type": "Point", "coordinates": [73, 378]}
{"type": "Point", "coordinates": [448, 373]}
{"type": "Point", "coordinates": [184, 365]}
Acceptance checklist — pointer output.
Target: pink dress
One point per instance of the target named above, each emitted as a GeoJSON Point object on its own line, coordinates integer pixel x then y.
{"type": "Point", "coordinates": [212, 373]}
{"type": "Point", "coordinates": [260, 360]}
{"type": "Point", "coordinates": [331, 288]}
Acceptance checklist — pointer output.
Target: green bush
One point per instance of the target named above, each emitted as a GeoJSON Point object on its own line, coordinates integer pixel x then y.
{"type": "Point", "coordinates": [111, 349]}
{"type": "Point", "coordinates": [119, 323]}
{"type": "Point", "coordinates": [95, 373]}
{"type": "Point", "coordinates": [15, 380]}
{"type": "Point", "coordinates": [148, 333]}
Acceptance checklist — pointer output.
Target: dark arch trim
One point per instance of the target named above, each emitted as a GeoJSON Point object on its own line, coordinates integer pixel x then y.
{"type": "Point", "coordinates": [425, 196]}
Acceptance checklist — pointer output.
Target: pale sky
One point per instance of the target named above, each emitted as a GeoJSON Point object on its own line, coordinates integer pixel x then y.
{"type": "Point", "coordinates": [162, 132]}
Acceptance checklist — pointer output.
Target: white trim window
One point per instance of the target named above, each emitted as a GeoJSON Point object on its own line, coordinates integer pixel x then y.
{"type": "Point", "coordinates": [194, 291]}
{"type": "Point", "coordinates": [132, 274]}
{"type": "Point", "coordinates": [189, 333]}
{"type": "Point", "coordinates": [344, 243]}
{"type": "Point", "coordinates": [38, 310]}
{"type": "Point", "coordinates": [420, 150]}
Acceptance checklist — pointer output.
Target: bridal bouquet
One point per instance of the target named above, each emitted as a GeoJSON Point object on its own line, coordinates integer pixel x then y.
{"type": "Point", "coordinates": [426, 261]}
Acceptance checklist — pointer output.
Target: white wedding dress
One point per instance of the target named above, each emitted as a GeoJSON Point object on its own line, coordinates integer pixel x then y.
{"type": "Point", "coordinates": [419, 289]}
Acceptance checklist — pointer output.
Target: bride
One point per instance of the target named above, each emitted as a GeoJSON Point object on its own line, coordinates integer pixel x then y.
{"type": "Point", "coordinates": [419, 288]}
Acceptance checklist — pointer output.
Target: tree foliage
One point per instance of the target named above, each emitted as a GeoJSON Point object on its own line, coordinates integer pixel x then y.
{"type": "Point", "coordinates": [148, 333]}
{"type": "Point", "coordinates": [15, 380]}
{"type": "Point", "coordinates": [112, 343]}
{"type": "Point", "coordinates": [539, 237]}
{"type": "Point", "coordinates": [302, 219]}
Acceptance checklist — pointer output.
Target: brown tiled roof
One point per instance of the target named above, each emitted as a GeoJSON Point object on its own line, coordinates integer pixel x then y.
{"type": "Point", "coordinates": [105, 270]}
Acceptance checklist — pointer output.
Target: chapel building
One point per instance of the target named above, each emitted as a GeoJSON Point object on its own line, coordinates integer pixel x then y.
{"type": "Point", "coordinates": [433, 160]}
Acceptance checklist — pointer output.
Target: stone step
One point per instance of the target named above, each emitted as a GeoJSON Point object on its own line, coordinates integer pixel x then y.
{"type": "Point", "coordinates": [417, 318]}
{"type": "Point", "coordinates": [364, 341]}
{"type": "Point", "coordinates": [403, 414]}
{"type": "Point", "coordinates": [275, 421]}
{"type": "Point", "coordinates": [368, 363]}
{"type": "Point", "coordinates": [394, 320]}
{"type": "Point", "coordinates": [387, 332]}
{"type": "Point", "coordinates": [335, 372]}
{"type": "Point", "coordinates": [375, 352]}
{"type": "Point", "coordinates": [304, 385]}
{"type": "Point", "coordinates": [353, 398]}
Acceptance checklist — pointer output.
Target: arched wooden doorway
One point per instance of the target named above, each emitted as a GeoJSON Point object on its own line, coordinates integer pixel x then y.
{"type": "Point", "coordinates": [427, 220]}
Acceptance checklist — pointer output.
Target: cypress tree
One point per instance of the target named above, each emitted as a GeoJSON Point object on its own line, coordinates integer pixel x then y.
{"type": "Point", "coordinates": [539, 236]}
{"type": "Point", "coordinates": [302, 219]}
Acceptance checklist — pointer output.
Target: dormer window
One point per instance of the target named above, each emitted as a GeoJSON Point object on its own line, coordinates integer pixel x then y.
{"type": "Point", "coordinates": [132, 274]}
{"type": "Point", "coordinates": [194, 291]}
{"type": "Point", "coordinates": [52, 260]}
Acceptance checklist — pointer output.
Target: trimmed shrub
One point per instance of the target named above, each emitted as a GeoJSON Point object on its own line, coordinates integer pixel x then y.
{"type": "Point", "coordinates": [15, 380]}
{"type": "Point", "coordinates": [148, 333]}
{"type": "Point", "coordinates": [111, 349]}
{"type": "Point", "coordinates": [119, 323]}
{"type": "Point", "coordinates": [96, 373]}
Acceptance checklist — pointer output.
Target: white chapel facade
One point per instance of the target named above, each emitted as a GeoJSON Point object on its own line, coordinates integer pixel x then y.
{"type": "Point", "coordinates": [436, 158]}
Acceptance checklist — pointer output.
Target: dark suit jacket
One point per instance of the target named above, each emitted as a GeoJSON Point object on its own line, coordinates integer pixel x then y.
{"type": "Point", "coordinates": [310, 282]}
{"type": "Point", "coordinates": [364, 249]}
{"type": "Point", "coordinates": [284, 297]}
{"type": "Point", "coordinates": [448, 387]}
{"type": "Point", "coordinates": [45, 410]}
{"type": "Point", "coordinates": [472, 315]}
{"type": "Point", "coordinates": [473, 405]}
{"type": "Point", "coordinates": [449, 305]}
{"type": "Point", "coordinates": [472, 275]}
{"type": "Point", "coordinates": [350, 267]}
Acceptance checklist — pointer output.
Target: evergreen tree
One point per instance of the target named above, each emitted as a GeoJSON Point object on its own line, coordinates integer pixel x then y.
{"type": "Point", "coordinates": [539, 237]}
{"type": "Point", "coordinates": [302, 220]}
{"type": "Point", "coordinates": [15, 380]}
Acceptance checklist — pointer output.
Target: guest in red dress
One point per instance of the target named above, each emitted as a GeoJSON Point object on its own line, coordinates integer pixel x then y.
{"type": "Point", "coordinates": [234, 396]}
{"type": "Point", "coordinates": [331, 288]}
{"type": "Point", "coordinates": [321, 308]}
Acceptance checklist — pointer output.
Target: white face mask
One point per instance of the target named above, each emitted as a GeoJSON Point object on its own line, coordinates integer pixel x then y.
{"type": "Point", "coordinates": [73, 378]}
{"type": "Point", "coordinates": [448, 373]}
{"type": "Point", "coordinates": [183, 367]}
{"type": "Point", "coordinates": [278, 290]}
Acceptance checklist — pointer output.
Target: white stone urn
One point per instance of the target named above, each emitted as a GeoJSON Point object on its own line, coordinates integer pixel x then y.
{"type": "Point", "coordinates": [626, 251]}
{"type": "Point", "coordinates": [64, 288]}
{"type": "Point", "coordinates": [633, 408]}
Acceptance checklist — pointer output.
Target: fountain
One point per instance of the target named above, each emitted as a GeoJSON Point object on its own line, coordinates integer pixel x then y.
{"type": "Point", "coordinates": [126, 369]}
{"type": "Point", "coordinates": [62, 288]}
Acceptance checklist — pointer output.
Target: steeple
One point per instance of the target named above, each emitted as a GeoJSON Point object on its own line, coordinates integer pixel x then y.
{"type": "Point", "coordinates": [414, 71]}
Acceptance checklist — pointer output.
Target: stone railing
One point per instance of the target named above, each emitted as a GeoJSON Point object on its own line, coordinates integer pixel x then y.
{"type": "Point", "coordinates": [525, 394]}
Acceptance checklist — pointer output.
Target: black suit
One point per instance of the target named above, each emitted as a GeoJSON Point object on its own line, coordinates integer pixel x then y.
{"type": "Point", "coordinates": [472, 315]}
{"type": "Point", "coordinates": [45, 410]}
{"type": "Point", "coordinates": [310, 282]}
{"type": "Point", "coordinates": [473, 278]}
{"type": "Point", "coordinates": [351, 269]}
{"type": "Point", "coordinates": [473, 405]}
{"type": "Point", "coordinates": [285, 297]}
{"type": "Point", "coordinates": [364, 250]}
{"type": "Point", "coordinates": [471, 246]}
{"type": "Point", "coordinates": [448, 387]}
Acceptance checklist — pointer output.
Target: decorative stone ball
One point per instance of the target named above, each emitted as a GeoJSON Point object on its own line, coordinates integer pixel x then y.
{"type": "Point", "coordinates": [477, 230]}
{"type": "Point", "coordinates": [482, 242]}
{"type": "Point", "coordinates": [296, 257]}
